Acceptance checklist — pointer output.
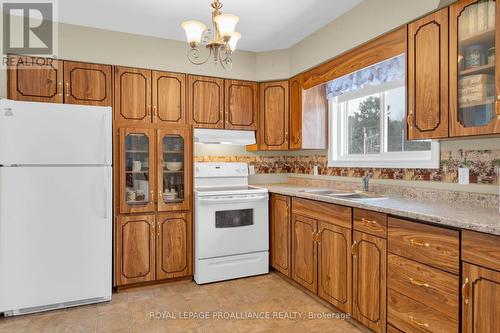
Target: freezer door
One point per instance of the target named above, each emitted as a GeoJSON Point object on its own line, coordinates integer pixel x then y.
{"type": "Point", "coordinates": [55, 235]}
{"type": "Point", "coordinates": [54, 134]}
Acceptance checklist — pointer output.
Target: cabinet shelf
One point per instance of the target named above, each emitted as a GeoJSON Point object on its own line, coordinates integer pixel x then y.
{"type": "Point", "coordinates": [474, 104]}
{"type": "Point", "coordinates": [481, 37]}
{"type": "Point", "coordinates": [136, 152]}
{"type": "Point", "coordinates": [142, 171]}
{"type": "Point", "coordinates": [169, 171]}
{"type": "Point", "coordinates": [134, 203]}
{"type": "Point", "coordinates": [478, 70]}
{"type": "Point", "coordinates": [173, 152]}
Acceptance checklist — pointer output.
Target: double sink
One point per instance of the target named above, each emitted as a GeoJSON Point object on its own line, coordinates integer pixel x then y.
{"type": "Point", "coordinates": [348, 195]}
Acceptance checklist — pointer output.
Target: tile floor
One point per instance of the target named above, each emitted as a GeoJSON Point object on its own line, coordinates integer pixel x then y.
{"type": "Point", "coordinates": [131, 311]}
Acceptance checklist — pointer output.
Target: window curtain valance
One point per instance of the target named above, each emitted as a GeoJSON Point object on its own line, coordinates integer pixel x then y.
{"type": "Point", "coordinates": [392, 69]}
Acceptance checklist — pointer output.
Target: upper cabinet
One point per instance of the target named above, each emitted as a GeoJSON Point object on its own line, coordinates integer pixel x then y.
{"type": "Point", "coordinates": [36, 80]}
{"type": "Point", "coordinates": [274, 114]}
{"type": "Point", "coordinates": [57, 81]}
{"type": "Point", "coordinates": [88, 84]}
{"type": "Point", "coordinates": [241, 105]}
{"type": "Point", "coordinates": [295, 85]}
{"type": "Point", "coordinates": [144, 97]}
{"type": "Point", "coordinates": [206, 101]}
{"type": "Point", "coordinates": [169, 98]}
{"type": "Point", "coordinates": [427, 59]}
{"type": "Point", "coordinates": [132, 95]}
{"type": "Point", "coordinates": [474, 79]}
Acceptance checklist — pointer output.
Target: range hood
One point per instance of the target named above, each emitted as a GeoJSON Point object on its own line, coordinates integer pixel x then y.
{"type": "Point", "coordinates": [224, 137]}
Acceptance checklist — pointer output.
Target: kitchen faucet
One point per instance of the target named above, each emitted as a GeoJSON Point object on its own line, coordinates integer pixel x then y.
{"type": "Point", "coordinates": [366, 182]}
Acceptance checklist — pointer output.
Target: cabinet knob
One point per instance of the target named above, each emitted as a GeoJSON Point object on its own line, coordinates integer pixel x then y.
{"type": "Point", "coordinates": [410, 118]}
{"type": "Point", "coordinates": [465, 291]}
{"type": "Point", "coordinates": [354, 248]}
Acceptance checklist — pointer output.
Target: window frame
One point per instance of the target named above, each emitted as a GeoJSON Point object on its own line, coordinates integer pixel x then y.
{"type": "Point", "coordinates": [337, 148]}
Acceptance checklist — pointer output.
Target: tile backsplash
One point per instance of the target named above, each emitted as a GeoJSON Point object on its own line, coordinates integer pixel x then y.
{"type": "Point", "coordinates": [483, 165]}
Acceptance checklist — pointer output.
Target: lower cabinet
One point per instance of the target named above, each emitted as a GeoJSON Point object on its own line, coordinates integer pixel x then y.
{"type": "Point", "coordinates": [280, 233]}
{"type": "Point", "coordinates": [150, 247]}
{"type": "Point", "coordinates": [369, 281]}
{"type": "Point", "coordinates": [321, 258]}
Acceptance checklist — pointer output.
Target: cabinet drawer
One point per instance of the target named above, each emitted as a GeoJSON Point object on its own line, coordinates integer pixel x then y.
{"type": "Point", "coordinates": [429, 286]}
{"type": "Point", "coordinates": [322, 211]}
{"type": "Point", "coordinates": [411, 316]}
{"type": "Point", "coordinates": [373, 223]}
{"type": "Point", "coordinates": [434, 246]}
{"type": "Point", "coordinates": [481, 249]}
{"type": "Point", "coordinates": [392, 329]}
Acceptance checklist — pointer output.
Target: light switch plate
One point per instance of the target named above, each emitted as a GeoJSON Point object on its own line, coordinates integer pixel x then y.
{"type": "Point", "coordinates": [251, 170]}
{"type": "Point", "coordinates": [463, 176]}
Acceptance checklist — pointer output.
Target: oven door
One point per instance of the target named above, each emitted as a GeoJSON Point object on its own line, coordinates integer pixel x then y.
{"type": "Point", "coordinates": [232, 224]}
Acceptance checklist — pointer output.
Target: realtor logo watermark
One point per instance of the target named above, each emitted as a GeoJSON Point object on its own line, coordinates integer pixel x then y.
{"type": "Point", "coordinates": [29, 28]}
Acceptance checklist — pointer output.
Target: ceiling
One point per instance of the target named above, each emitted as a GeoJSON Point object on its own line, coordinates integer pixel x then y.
{"type": "Point", "coordinates": [264, 24]}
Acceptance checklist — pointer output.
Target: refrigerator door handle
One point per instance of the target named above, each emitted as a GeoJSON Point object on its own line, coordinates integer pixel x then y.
{"type": "Point", "coordinates": [106, 179]}
{"type": "Point", "coordinates": [105, 131]}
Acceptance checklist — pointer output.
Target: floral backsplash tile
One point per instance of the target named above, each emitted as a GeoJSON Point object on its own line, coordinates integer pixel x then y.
{"type": "Point", "coordinates": [482, 163]}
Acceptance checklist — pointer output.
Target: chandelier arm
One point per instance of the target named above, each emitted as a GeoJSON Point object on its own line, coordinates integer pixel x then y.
{"type": "Point", "coordinates": [226, 62]}
{"type": "Point", "coordinates": [194, 55]}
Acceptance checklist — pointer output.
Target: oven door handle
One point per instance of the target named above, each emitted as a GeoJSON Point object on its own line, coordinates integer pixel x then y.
{"type": "Point", "coordinates": [232, 199]}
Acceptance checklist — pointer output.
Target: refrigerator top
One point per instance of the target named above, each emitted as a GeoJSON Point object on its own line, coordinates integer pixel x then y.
{"type": "Point", "coordinates": [34, 133]}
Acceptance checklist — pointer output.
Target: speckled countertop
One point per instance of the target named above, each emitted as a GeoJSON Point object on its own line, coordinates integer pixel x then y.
{"type": "Point", "coordinates": [443, 213]}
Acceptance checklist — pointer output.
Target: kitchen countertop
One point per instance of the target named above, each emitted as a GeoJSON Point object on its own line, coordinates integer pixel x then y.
{"type": "Point", "coordinates": [443, 213]}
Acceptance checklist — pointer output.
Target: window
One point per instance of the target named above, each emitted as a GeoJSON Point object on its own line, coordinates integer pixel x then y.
{"type": "Point", "coordinates": [368, 120]}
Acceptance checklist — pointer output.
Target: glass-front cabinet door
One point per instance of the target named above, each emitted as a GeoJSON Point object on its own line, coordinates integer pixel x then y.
{"type": "Point", "coordinates": [174, 168]}
{"type": "Point", "coordinates": [137, 170]}
{"type": "Point", "coordinates": [474, 78]}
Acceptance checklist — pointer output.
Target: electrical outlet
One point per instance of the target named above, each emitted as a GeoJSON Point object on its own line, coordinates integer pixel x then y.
{"type": "Point", "coordinates": [463, 176]}
{"type": "Point", "coordinates": [251, 170]}
{"type": "Point", "coordinates": [315, 170]}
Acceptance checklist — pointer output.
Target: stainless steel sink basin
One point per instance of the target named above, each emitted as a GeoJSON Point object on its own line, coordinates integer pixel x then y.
{"type": "Point", "coordinates": [361, 195]}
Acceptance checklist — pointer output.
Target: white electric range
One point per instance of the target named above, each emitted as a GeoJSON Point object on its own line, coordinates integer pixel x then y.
{"type": "Point", "coordinates": [231, 223]}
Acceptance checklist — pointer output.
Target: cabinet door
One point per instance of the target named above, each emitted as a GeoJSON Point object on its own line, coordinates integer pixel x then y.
{"type": "Point", "coordinates": [474, 77]}
{"type": "Point", "coordinates": [241, 105]}
{"type": "Point", "coordinates": [280, 233]}
{"type": "Point", "coordinates": [132, 95]}
{"type": "Point", "coordinates": [480, 295]}
{"type": "Point", "coordinates": [169, 98]}
{"type": "Point", "coordinates": [427, 59]}
{"type": "Point", "coordinates": [274, 115]}
{"type": "Point", "coordinates": [206, 101]}
{"type": "Point", "coordinates": [334, 265]}
{"type": "Point", "coordinates": [35, 79]}
{"type": "Point", "coordinates": [174, 168]}
{"type": "Point", "coordinates": [173, 245]}
{"type": "Point", "coordinates": [369, 281]}
{"type": "Point", "coordinates": [87, 84]}
{"type": "Point", "coordinates": [136, 165]}
{"type": "Point", "coordinates": [135, 249]}
{"type": "Point", "coordinates": [296, 112]}
{"type": "Point", "coordinates": [304, 252]}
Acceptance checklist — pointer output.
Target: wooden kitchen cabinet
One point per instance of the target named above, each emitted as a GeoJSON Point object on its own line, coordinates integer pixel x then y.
{"type": "Point", "coordinates": [136, 170]}
{"type": "Point", "coordinates": [241, 105]}
{"type": "Point", "coordinates": [174, 170]}
{"type": "Point", "coordinates": [369, 281]}
{"type": "Point", "coordinates": [427, 59]}
{"type": "Point", "coordinates": [169, 98]}
{"type": "Point", "coordinates": [474, 68]}
{"type": "Point", "coordinates": [206, 101]}
{"type": "Point", "coordinates": [87, 84]}
{"type": "Point", "coordinates": [304, 252]}
{"type": "Point", "coordinates": [295, 84]}
{"type": "Point", "coordinates": [173, 245]}
{"type": "Point", "coordinates": [280, 233]}
{"type": "Point", "coordinates": [35, 79]}
{"type": "Point", "coordinates": [480, 295]}
{"type": "Point", "coordinates": [273, 116]}
{"type": "Point", "coordinates": [335, 265]}
{"type": "Point", "coordinates": [132, 103]}
{"type": "Point", "coordinates": [135, 249]}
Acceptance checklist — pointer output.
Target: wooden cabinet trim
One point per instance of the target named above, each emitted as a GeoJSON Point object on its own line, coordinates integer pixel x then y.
{"type": "Point", "coordinates": [121, 92]}
{"type": "Point", "coordinates": [297, 250]}
{"type": "Point", "coordinates": [283, 267]}
{"type": "Point", "coordinates": [88, 99]}
{"type": "Point", "coordinates": [283, 116]}
{"type": "Point", "coordinates": [384, 47]}
{"type": "Point", "coordinates": [219, 121]}
{"type": "Point", "coordinates": [295, 85]}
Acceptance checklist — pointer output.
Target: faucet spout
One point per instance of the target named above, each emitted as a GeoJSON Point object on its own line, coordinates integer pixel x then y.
{"type": "Point", "coordinates": [366, 182]}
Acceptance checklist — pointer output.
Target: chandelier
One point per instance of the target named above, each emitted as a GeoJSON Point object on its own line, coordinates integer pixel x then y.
{"type": "Point", "coordinates": [220, 41]}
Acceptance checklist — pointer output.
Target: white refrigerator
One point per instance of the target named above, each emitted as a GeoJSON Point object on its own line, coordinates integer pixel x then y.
{"type": "Point", "coordinates": [55, 206]}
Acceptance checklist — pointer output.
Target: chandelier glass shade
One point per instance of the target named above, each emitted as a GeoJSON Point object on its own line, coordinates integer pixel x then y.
{"type": "Point", "coordinates": [220, 41]}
